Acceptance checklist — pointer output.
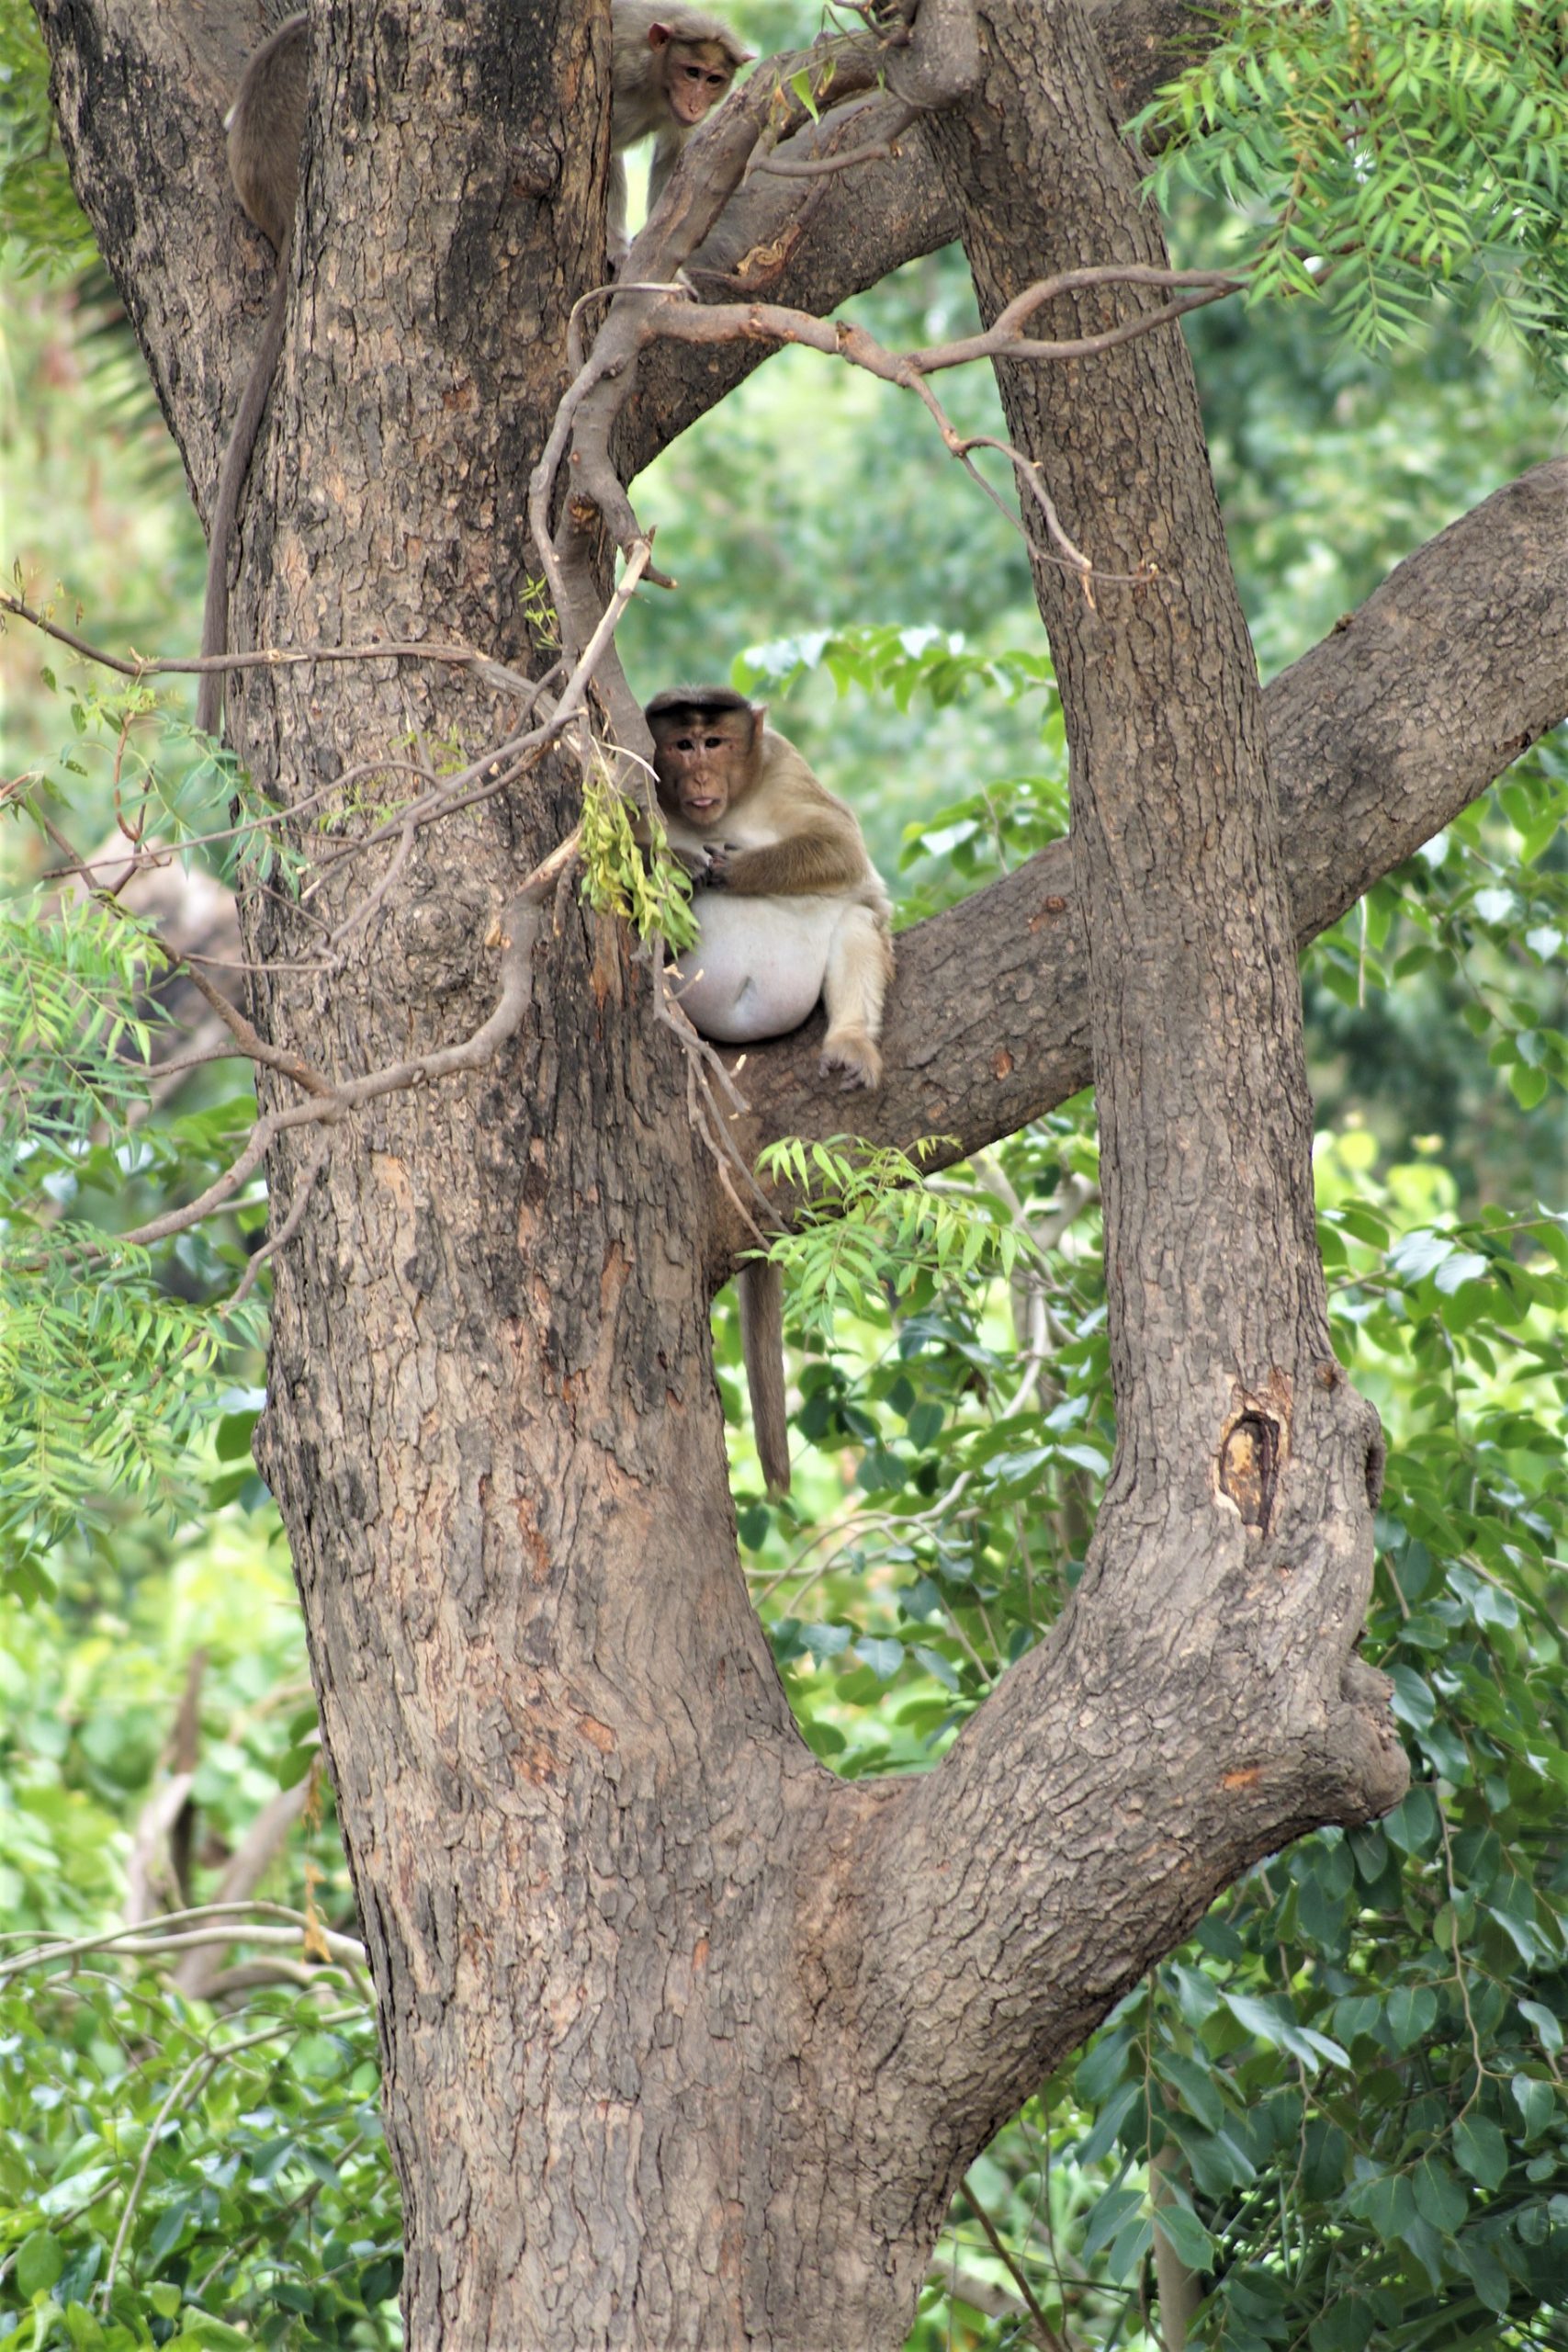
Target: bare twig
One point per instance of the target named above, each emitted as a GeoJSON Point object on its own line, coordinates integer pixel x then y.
{"type": "Point", "coordinates": [139, 665]}
{"type": "Point", "coordinates": [271, 1923]}
{"type": "Point", "coordinates": [812, 167]}
{"type": "Point", "coordinates": [1044, 2334]}
{"type": "Point", "coordinates": [286, 1230]}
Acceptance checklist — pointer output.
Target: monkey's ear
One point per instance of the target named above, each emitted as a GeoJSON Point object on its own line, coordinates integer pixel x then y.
{"type": "Point", "coordinates": [658, 35]}
{"type": "Point", "coordinates": [758, 719]}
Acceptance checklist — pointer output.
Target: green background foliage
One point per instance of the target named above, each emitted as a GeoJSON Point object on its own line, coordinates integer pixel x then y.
{"type": "Point", "coordinates": [1348, 2091]}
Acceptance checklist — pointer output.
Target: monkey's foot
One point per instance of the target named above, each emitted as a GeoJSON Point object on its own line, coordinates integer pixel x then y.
{"type": "Point", "coordinates": [856, 1058]}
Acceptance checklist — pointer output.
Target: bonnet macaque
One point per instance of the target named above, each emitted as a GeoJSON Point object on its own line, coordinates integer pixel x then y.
{"type": "Point", "coordinates": [669, 65]}
{"type": "Point", "coordinates": [267, 127]}
{"type": "Point", "coordinates": [789, 908]}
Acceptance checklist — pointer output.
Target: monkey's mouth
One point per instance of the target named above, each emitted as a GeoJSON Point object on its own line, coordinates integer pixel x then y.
{"type": "Point", "coordinates": [712, 806]}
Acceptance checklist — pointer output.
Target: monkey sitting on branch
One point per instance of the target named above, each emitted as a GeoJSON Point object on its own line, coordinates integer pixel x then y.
{"type": "Point", "coordinates": [789, 908]}
{"type": "Point", "coordinates": [789, 905]}
{"type": "Point", "coordinates": [669, 66]}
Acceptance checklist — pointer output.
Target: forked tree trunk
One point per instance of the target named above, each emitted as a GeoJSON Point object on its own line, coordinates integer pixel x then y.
{"type": "Point", "coordinates": [686, 2043]}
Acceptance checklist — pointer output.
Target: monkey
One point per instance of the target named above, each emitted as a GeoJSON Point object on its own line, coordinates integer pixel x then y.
{"type": "Point", "coordinates": [668, 66]}
{"type": "Point", "coordinates": [266, 129]}
{"type": "Point", "coordinates": [789, 904]}
{"type": "Point", "coordinates": [788, 908]}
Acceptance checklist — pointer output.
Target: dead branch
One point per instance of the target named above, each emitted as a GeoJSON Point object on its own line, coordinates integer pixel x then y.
{"type": "Point", "coordinates": [580, 435]}
{"type": "Point", "coordinates": [135, 665]}
{"type": "Point", "coordinates": [822, 166]}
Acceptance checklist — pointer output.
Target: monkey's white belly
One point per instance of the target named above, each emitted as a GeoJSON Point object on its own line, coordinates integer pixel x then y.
{"type": "Point", "coordinates": [758, 965]}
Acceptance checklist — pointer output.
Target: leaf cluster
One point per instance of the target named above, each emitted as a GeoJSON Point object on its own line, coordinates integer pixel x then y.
{"type": "Point", "coordinates": [39, 217]}
{"type": "Point", "coordinates": [169, 2178]}
{"type": "Point", "coordinates": [644, 887]}
{"type": "Point", "coordinates": [1379, 148]}
{"type": "Point", "coordinates": [109, 1372]}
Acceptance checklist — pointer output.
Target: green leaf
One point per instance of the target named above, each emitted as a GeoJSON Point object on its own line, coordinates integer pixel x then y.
{"type": "Point", "coordinates": [1410, 2012]}
{"type": "Point", "coordinates": [1101, 2139]}
{"type": "Point", "coordinates": [1547, 2027]}
{"type": "Point", "coordinates": [40, 2259]}
{"type": "Point", "coordinates": [1109, 2214]}
{"type": "Point", "coordinates": [1537, 2101]}
{"type": "Point", "coordinates": [1480, 2148]}
{"type": "Point", "coordinates": [1387, 2203]}
{"type": "Point", "coordinates": [1438, 2197]}
{"type": "Point", "coordinates": [1191, 2241]}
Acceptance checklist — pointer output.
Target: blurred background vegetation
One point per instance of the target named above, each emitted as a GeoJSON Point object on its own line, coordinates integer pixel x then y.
{"type": "Point", "coordinates": [1344, 2100]}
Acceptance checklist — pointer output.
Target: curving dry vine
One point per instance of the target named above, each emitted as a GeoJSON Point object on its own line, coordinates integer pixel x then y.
{"type": "Point", "coordinates": [686, 2042]}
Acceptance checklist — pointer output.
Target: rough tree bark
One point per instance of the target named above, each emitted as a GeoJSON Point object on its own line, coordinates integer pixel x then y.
{"type": "Point", "coordinates": [685, 2042]}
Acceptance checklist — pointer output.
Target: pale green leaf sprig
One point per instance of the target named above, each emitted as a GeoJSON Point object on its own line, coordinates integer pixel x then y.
{"type": "Point", "coordinates": [1381, 148]}
{"type": "Point", "coordinates": [134, 760]}
{"type": "Point", "coordinates": [108, 1379]}
{"type": "Point", "coordinates": [106, 1382]}
{"type": "Point", "coordinates": [74, 1036]}
{"type": "Point", "coordinates": [870, 1228]}
{"type": "Point", "coordinates": [649, 890]}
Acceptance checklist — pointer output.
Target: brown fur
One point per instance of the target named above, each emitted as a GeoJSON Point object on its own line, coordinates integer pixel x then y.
{"type": "Point", "coordinates": [669, 65]}
{"type": "Point", "coordinates": [752, 822]}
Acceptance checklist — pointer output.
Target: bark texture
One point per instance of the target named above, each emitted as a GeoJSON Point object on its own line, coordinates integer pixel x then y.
{"type": "Point", "coordinates": [687, 2043]}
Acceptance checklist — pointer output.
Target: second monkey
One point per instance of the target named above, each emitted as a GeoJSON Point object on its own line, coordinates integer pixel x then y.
{"type": "Point", "coordinates": [669, 66]}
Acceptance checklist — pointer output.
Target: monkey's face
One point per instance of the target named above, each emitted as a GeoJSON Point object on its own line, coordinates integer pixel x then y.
{"type": "Point", "coordinates": [696, 75]}
{"type": "Point", "coordinates": [704, 760]}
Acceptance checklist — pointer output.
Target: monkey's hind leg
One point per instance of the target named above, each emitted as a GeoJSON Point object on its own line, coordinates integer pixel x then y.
{"type": "Point", "coordinates": [859, 965]}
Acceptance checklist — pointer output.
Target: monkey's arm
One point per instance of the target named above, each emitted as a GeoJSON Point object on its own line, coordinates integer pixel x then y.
{"type": "Point", "coordinates": [823, 860]}
{"type": "Point", "coordinates": [666, 156]}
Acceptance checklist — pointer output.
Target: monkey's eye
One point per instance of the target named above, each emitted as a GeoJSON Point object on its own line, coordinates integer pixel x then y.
{"type": "Point", "coordinates": [714, 743]}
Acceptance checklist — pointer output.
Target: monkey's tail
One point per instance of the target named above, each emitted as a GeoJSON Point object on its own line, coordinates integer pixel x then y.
{"type": "Point", "coordinates": [761, 1342]}
{"type": "Point", "coordinates": [230, 481]}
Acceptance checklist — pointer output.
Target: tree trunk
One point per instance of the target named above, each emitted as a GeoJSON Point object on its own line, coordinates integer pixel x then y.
{"type": "Point", "coordinates": [686, 2043]}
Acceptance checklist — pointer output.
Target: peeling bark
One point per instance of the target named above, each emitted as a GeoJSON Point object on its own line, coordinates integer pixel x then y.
{"type": "Point", "coordinates": [685, 2042]}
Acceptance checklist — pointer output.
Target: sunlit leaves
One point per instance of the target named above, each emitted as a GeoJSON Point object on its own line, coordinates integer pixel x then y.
{"type": "Point", "coordinates": [164, 2179]}
{"type": "Point", "coordinates": [1378, 148]}
{"type": "Point", "coordinates": [649, 891]}
{"type": "Point", "coordinates": [870, 1230]}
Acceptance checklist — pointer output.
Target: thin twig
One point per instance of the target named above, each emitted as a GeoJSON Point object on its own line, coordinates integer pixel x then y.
{"type": "Point", "coordinates": [288, 1229]}
{"type": "Point", "coordinates": [154, 1933]}
{"type": "Point", "coordinates": [1048, 2338]}
{"type": "Point", "coordinates": [812, 167]}
{"type": "Point", "coordinates": [137, 665]}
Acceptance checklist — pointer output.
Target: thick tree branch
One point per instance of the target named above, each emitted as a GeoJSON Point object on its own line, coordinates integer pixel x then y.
{"type": "Point", "coordinates": [1377, 739]}
{"type": "Point", "coordinates": [858, 227]}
